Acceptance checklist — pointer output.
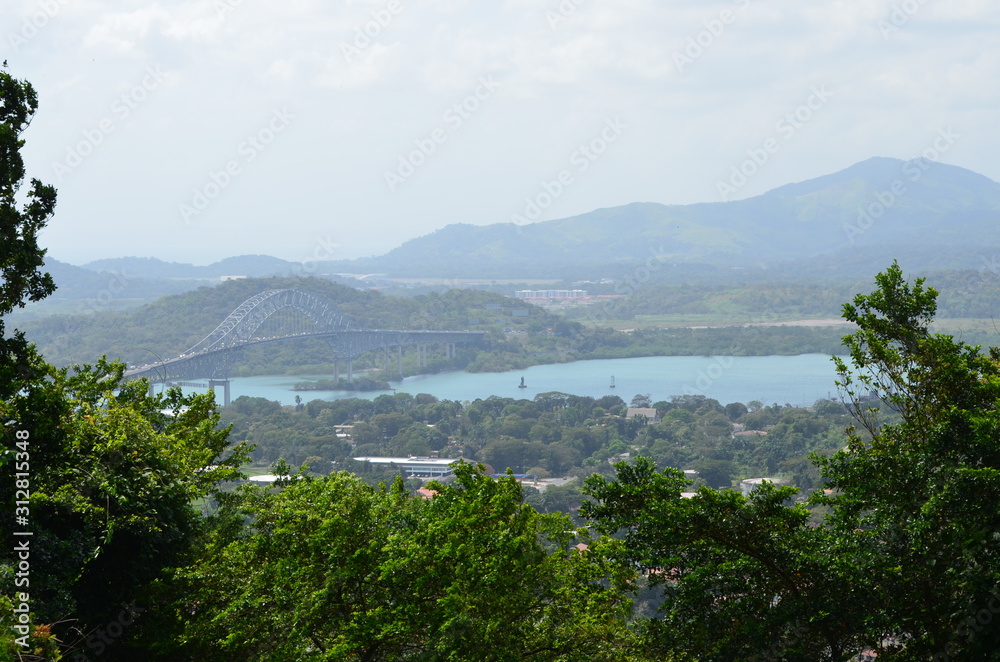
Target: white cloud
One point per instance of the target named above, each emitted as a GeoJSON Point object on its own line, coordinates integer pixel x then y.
{"type": "Point", "coordinates": [606, 57]}
{"type": "Point", "coordinates": [128, 32]}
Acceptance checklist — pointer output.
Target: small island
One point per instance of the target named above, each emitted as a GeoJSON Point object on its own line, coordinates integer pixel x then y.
{"type": "Point", "coordinates": [359, 384]}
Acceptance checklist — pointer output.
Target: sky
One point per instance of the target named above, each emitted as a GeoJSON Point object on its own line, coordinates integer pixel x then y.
{"type": "Point", "coordinates": [309, 129]}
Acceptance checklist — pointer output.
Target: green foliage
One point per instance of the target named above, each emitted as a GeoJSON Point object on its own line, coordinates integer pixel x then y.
{"type": "Point", "coordinates": [106, 474]}
{"type": "Point", "coordinates": [904, 562]}
{"type": "Point", "coordinates": [20, 256]}
{"type": "Point", "coordinates": [114, 475]}
{"type": "Point", "coordinates": [919, 480]}
{"type": "Point", "coordinates": [641, 400]}
{"type": "Point", "coordinates": [556, 433]}
{"type": "Point", "coordinates": [333, 569]}
{"type": "Point", "coordinates": [716, 473]}
{"type": "Point", "coordinates": [760, 302]}
{"type": "Point", "coordinates": [359, 384]}
{"type": "Point", "coordinates": [737, 573]}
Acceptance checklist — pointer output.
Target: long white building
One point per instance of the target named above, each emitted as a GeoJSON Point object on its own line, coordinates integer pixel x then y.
{"type": "Point", "coordinates": [415, 466]}
{"type": "Point", "coordinates": [550, 294]}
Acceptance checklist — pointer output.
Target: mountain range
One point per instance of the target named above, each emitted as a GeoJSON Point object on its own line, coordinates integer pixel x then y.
{"type": "Point", "coordinates": [927, 214]}
{"type": "Point", "coordinates": [882, 207]}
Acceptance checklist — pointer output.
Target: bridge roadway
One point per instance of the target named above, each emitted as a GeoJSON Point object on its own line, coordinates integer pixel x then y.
{"type": "Point", "coordinates": [215, 355]}
{"type": "Point", "coordinates": [346, 344]}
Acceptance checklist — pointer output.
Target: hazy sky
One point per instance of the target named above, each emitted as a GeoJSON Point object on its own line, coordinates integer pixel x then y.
{"type": "Point", "coordinates": [193, 131]}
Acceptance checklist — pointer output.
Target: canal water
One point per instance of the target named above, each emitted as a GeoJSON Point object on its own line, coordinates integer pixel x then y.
{"type": "Point", "coordinates": [796, 380]}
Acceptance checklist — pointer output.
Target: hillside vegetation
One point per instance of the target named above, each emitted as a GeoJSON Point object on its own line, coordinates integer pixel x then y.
{"type": "Point", "coordinates": [173, 324]}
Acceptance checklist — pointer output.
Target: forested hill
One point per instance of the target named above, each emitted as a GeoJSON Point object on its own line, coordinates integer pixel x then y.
{"type": "Point", "coordinates": [174, 323]}
{"type": "Point", "coordinates": [919, 209]}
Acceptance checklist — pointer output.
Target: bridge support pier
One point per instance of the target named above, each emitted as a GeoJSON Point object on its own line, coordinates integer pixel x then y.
{"type": "Point", "coordinates": [212, 383]}
{"type": "Point", "coordinates": [350, 371]}
{"type": "Point", "coordinates": [336, 372]}
{"type": "Point", "coordinates": [399, 361]}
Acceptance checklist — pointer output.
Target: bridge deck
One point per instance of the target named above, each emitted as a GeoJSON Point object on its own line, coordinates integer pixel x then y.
{"type": "Point", "coordinates": [345, 345]}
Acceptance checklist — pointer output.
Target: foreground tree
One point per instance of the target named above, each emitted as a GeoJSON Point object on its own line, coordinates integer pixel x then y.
{"type": "Point", "coordinates": [99, 476]}
{"type": "Point", "coordinates": [918, 499]}
{"type": "Point", "coordinates": [21, 259]}
{"type": "Point", "coordinates": [905, 563]}
{"type": "Point", "coordinates": [114, 474]}
{"type": "Point", "coordinates": [21, 280]}
{"type": "Point", "coordinates": [332, 569]}
{"type": "Point", "coordinates": [742, 578]}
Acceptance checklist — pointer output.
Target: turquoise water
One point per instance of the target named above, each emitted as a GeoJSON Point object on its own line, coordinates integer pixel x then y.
{"type": "Point", "coordinates": [797, 380]}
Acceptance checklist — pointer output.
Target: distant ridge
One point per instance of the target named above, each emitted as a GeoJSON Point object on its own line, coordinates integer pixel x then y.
{"type": "Point", "coordinates": [889, 205]}
{"type": "Point", "coordinates": [79, 283]}
{"type": "Point", "coordinates": [151, 267]}
{"type": "Point", "coordinates": [930, 214]}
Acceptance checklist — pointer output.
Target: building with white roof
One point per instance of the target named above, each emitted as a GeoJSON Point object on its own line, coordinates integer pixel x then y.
{"type": "Point", "coordinates": [415, 466]}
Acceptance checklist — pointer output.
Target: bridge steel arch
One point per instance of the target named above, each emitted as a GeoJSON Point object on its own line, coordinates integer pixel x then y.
{"type": "Point", "coordinates": [238, 328]}
{"type": "Point", "coordinates": [217, 353]}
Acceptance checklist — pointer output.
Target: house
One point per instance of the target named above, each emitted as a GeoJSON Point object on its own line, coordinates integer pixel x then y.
{"type": "Point", "coordinates": [652, 416]}
{"type": "Point", "coordinates": [750, 433]}
{"type": "Point", "coordinates": [264, 479]}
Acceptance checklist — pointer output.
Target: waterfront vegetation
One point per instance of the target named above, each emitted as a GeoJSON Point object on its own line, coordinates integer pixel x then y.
{"type": "Point", "coordinates": [173, 324]}
{"type": "Point", "coordinates": [553, 434]}
{"type": "Point", "coordinates": [704, 321]}
{"type": "Point", "coordinates": [360, 383]}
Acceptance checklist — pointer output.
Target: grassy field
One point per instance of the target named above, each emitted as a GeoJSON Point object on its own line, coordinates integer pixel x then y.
{"type": "Point", "coordinates": [251, 470]}
{"type": "Point", "coordinates": [976, 331]}
{"type": "Point", "coordinates": [689, 320]}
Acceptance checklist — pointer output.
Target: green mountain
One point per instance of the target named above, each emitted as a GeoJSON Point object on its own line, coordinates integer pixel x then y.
{"type": "Point", "coordinates": [881, 208]}
{"type": "Point", "coordinates": [173, 324]}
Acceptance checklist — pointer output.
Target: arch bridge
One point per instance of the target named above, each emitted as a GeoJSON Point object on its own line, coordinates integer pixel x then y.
{"type": "Point", "coordinates": [216, 354]}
